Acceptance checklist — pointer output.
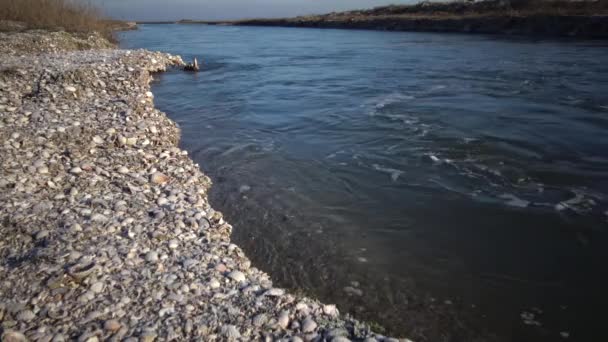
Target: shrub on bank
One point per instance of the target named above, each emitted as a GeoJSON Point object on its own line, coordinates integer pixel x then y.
{"type": "Point", "coordinates": [70, 15]}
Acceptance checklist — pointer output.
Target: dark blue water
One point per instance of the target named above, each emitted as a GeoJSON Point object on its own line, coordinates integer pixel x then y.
{"type": "Point", "coordinates": [449, 187]}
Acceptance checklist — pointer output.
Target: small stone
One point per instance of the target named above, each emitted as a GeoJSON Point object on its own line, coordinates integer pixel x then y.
{"type": "Point", "coordinates": [26, 315]}
{"type": "Point", "coordinates": [173, 244]}
{"type": "Point", "coordinates": [283, 320]}
{"type": "Point", "coordinates": [308, 325]}
{"type": "Point", "coordinates": [76, 170]}
{"type": "Point", "coordinates": [43, 170]}
{"type": "Point", "coordinates": [42, 234]}
{"type": "Point", "coordinates": [98, 140]}
{"type": "Point", "coordinates": [214, 283]}
{"type": "Point", "coordinates": [123, 170]}
{"type": "Point", "coordinates": [112, 325]}
{"type": "Point", "coordinates": [159, 178]}
{"type": "Point", "coordinates": [237, 276]}
{"type": "Point", "coordinates": [162, 201]}
{"type": "Point", "coordinates": [131, 141]}
{"type": "Point", "coordinates": [97, 287]}
{"type": "Point", "coordinates": [152, 256]}
{"type": "Point", "coordinates": [330, 310]}
{"type": "Point", "coordinates": [99, 218]}
{"type": "Point", "coordinates": [274, 292]}
{"type": "Point", "coordinates": [70, 89]}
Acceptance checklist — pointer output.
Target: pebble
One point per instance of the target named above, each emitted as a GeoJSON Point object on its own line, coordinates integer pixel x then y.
{"type": "Point", "coordinates": [237, 276]}
{"type": "Point", "coordinates": [173, 244]}
{"type": "Point", "coordinates": [283, 320]}
{"type": "Point", "coordinates": [70, 89]}
{"type": "Point", "coordinates": [308, 325]}
{"type": "Point", "coordinates": [214, 283]}
{"type": "Point", "coordinates": [152, 256]}
{"type": "Point", "coordinates": [97, 287]}
{"type": "Point", "coordinates": [76, 170]}
{"type": "Point", "coordinates": [275, 292]}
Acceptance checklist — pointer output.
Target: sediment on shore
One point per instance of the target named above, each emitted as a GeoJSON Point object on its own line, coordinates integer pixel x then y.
{"type": "Point", "coordinates": [106, 232]}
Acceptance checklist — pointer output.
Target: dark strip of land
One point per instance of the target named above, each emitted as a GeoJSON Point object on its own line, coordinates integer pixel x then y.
{"type": "Point", "coordinates": [565, 18]}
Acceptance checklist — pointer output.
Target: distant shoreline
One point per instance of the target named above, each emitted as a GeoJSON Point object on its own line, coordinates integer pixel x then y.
{"type": "Point", "coordinates": [594, 27]}
{"type": "Point", "coordinates": [557, 18]}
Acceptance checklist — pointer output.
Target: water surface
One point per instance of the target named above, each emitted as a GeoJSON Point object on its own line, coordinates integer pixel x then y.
{"type": "Point", "coordinates": [450, 187]}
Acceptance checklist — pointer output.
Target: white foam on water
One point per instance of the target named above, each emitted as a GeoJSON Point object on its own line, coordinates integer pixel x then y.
{"type": "Point", "coordinates": [582, 202]}
{"type": "Point", "coordinates": [438, 87]}
{"type": "Point", "coordinates": [394, 173]}
{"type": "Point", "coordinates": [385, 100]}
{"type": "Point", "coordinates": [514, 201]}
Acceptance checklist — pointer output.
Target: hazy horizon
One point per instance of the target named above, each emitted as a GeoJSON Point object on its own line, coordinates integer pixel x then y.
{"type": "Point", "coordinates": [228, 9]}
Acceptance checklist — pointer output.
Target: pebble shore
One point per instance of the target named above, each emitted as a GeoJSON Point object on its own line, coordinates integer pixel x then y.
{"type": "Point", "coordinates": [106, 232]}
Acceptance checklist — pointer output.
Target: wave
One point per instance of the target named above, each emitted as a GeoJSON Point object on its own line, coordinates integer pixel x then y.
{"type": "Point", "coordinates": [394, 173]}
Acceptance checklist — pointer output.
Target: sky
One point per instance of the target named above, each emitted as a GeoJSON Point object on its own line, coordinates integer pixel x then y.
{"type": "Point", "coordinates": [228, 9]}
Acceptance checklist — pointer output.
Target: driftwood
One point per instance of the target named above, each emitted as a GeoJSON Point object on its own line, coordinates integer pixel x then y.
{"type": "Point", "coordinates": [193, 66]}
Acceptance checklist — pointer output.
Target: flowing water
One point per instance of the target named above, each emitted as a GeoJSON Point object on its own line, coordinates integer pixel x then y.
{"type": "Point", "coordinates": [446, 187]}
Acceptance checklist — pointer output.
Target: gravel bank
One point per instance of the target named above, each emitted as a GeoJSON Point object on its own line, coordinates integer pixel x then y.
{"type": "Point", "coordinates": [105, 228]}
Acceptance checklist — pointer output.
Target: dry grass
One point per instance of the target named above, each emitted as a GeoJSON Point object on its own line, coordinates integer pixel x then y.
{"type": "Point", "coordinates": [70, 15]}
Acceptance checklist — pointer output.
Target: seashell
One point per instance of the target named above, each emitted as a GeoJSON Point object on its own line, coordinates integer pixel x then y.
{"type": "Point", "coordinates": [82, 271]}
{"type": "Point", "coordinates": [159, 178]}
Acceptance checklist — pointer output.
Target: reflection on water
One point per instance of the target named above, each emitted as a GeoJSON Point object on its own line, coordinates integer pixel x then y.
{"type": "Point", "coordinates": [451, 187]}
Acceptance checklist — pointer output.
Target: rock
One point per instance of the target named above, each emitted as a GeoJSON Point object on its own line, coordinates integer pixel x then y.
{"type": "Point", "coordinates": [97, 287]}
{"type": "Point", "coordinates": [283, 320]}
{"type": "Point", "coordinates": [173, 244]}
{"type": "Point", "coordinates": [152, 256]}
{"type": "Point", "coordinates": [43, 170]}
{"type": "Point", "coordinates": [70, 89]}
{"type": "Point", "coordinates": [330, 310]}
{"type": "Point", "coordinates": [308, 325]}
{"type": "Point", "coordinates": [42, 234]}
{"type": "Point", "coordinates": [237, 276]}
{"type": "Point", "coordinates": [76, 170]}
{"type": "Point", "coordinates": [97, 140]}
{"type": "Point", "coordinates": [275, 292]}
{"type": "Point", "coordinates": [214, 283]}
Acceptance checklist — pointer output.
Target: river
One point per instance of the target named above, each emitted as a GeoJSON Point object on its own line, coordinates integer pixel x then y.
{"type": "Point", "coordinates": [444, 187]}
